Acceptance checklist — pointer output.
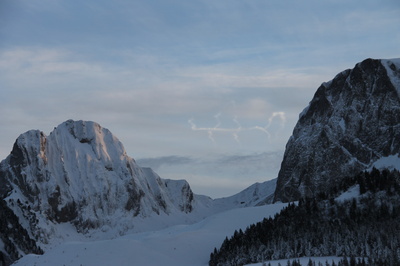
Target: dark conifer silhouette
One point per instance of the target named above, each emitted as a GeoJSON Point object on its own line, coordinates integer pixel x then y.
{"type": "Point", "coordinates": [365, 227]}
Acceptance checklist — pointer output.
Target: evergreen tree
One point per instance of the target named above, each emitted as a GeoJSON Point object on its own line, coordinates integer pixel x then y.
{"type": "Point", "coordinates": [368, 227]}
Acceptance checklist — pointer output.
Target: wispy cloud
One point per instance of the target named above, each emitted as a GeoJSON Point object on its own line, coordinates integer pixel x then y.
{"type": "Point", "coordinates": [236, 130]}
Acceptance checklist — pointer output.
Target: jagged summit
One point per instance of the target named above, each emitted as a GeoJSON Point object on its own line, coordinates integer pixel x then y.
{"type": "Point", "coordinates": [351, 122]}
{"type": "Point", "coordinates": [104, 144]}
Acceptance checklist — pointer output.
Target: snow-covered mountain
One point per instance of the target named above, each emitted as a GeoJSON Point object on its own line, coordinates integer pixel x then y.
{"type": "Point", "coordinates": [81, 176]}
{"type": "Point", "coordinates": [351, 124]}
{"type": "Point", "coordinates": [81, 173]}
{"type": "Point", "coordinates": [255, 195]}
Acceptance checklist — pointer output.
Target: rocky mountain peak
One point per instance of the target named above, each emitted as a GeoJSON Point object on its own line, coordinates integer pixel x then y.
{"type": "Point", "coordinates": [100, 139]}
{"type": "Point", "coordinates": [81, 174]}
{"type": "Point", "coordinates": [351, 122]}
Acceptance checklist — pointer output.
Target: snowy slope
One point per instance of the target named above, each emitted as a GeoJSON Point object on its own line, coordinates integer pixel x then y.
{"type": "Point", "coordinates": [255, 195]}
{"type": "Point", "coordinates": [177, 245]}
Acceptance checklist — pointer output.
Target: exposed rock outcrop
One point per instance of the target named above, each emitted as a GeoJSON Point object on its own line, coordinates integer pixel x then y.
{"type": "Point", "coordinates": [351, 122]}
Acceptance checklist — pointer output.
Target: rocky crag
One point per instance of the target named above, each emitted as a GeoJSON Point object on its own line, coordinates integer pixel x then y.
{"type": "Point", "coordinates": [352, 122]}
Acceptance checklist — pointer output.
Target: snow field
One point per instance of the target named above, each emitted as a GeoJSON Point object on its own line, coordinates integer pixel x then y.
{"type": "Point", "coordinates": [177, 245]}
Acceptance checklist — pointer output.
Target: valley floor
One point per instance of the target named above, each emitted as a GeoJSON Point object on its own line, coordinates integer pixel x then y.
{"type": "Point", "coordinates": [176, 245]}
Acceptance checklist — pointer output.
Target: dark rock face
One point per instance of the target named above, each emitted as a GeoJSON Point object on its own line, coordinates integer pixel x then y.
{"type": "Point", "coordinates": [15, 239]}
{"type": "Point", "coordinates": [351, 122]}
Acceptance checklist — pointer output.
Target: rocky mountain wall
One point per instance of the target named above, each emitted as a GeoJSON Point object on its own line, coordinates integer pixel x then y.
{"type": "Point", "coordinates": [351, 122]}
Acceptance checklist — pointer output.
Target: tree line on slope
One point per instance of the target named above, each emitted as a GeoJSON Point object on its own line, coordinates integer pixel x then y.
{"type": "Point", "coordinates": [367, 226]}
{"type": "Point", "coordinates": [342, 262]}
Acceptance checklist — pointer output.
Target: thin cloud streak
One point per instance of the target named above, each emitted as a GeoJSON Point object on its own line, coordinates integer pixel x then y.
{"type": "Point", "coordinates": [235, 131]}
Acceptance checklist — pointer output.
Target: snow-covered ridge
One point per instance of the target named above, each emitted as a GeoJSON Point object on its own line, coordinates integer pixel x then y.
{"type": "Point", "coordinates": [256, 195]}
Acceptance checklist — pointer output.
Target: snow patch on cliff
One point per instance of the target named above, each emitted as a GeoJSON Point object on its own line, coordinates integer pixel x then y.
{"type": "Point", "coordinates": [393, 70]}
{"type": "Point", "coordinates": [390, 162]}
{"type": "Point", "coordinates": [351, 193]}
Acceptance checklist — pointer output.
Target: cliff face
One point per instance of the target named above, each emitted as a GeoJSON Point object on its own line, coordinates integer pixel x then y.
{"type": "Point", "coordinates": [351, 122]}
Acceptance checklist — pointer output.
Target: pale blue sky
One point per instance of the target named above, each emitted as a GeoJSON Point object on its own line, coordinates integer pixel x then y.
{"type": "Point", "coordinates": [208, 90]}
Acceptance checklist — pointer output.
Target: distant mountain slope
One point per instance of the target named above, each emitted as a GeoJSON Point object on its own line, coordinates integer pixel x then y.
{"type": "Point", "coordinates": [256, 195]}
{"type": "Point", "coordinates": [352, 121]}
